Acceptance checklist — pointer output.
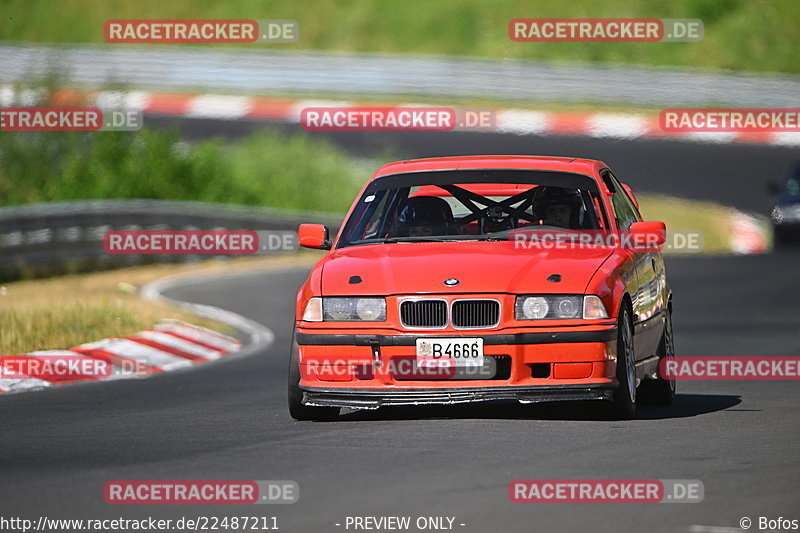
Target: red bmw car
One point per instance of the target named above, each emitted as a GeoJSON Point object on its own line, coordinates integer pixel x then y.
{"type": "Point", "coordinates": [467, 279]}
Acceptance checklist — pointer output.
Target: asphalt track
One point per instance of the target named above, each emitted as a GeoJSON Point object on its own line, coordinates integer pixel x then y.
{"type": "Point", "coordinates": [729, 174]}
{"type": "Point", "coordinates": [229, 420]}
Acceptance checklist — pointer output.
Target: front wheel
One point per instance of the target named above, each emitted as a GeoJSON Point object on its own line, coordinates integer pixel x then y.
{"type": "Point", "coordinates": [296, 407]}
{"type": "Point", "coordinates": [624, 402]}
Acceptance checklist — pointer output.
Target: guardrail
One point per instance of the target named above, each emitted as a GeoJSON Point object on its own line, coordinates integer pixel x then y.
{"type": "Point", "coordinates": [260, 71]}
{"type": "Point", "coordinates": [54, 238]}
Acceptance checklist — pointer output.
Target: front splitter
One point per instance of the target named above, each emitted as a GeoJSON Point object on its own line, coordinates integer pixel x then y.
{"type": "Point", "coordinates": [376, 398]}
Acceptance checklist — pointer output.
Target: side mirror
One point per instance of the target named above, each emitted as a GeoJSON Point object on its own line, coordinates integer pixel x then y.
{"type": "Point", "coordinates": [630, 194]}
{"type": "Point", "coordinates": [314, 236]}
{"type": "Point", "coordinates": [773, 188]}
{"type": "Point", "coordinates": [648, 236]}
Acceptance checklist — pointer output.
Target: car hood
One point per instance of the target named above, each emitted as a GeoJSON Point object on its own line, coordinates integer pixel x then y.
{"type": "Point", "coordinates": [479, 267]}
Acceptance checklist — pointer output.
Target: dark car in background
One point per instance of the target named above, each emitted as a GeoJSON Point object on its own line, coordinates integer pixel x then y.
{"type": "Point", "coordinates": [785, 212]}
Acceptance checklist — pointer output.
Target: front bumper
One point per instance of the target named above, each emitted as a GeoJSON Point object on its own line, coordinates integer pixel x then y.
{"type": "Point", "coordinates": [361, 370]}
{"type": "Point", "coordinates": [374, 399]}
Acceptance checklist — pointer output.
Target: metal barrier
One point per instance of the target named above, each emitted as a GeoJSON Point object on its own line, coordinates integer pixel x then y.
{"type": "Point", "coordinates": [262, 71]}
{"type": "Point", "coordinates": [54, 238]}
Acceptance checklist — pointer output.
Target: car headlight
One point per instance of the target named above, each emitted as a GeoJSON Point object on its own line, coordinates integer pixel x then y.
{"type": "Point", "coordinates": [353, 309]}
{"type": "Point", "coordinates": [559, 307]}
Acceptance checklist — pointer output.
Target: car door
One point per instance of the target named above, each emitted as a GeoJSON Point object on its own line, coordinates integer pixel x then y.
{"type": "Point", "coordinates": [625, 215]}
{"type": "Point", "coordinates": [649, 304]}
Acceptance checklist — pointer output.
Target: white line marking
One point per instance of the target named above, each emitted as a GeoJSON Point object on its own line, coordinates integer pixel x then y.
{"type": "Point", "coordinates": [718, 137]}
{"type": "Point", "coordinates": [129, 101]}
{"type": "Point", "coordinates": [523, 122]}
{"type": "Point", "coordinates": [219, 106]}
{"type": "Point", "coordinates": [260, 336]}
{"type": "Point", "coordinates": [714, 529]}
{"type": "Point", "coordinates": [6, 95]}
{"type": "Point", "coordinates": [617, 125]}
{"type": "Point", "coordinates": [786, 138]}
{"type": "Point", "coordinates": [19, 384]}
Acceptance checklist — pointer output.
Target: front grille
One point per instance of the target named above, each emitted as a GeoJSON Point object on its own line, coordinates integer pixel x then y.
{"type": "Point", "coordinates": [424, 313]}
{"type": "Point", "coordinates": [476, 313]}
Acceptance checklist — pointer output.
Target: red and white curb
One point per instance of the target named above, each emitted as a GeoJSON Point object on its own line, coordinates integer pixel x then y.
{"type": "Point", "coordinates": [169, 345]}
{"type": "Point", "coordinates": [749, 234]}
{"type": "Point", "coordinates": [515, 121]}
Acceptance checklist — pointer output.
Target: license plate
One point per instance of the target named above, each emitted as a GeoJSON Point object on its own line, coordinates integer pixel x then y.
{"type": "Point", "coordinates": [462, 351]}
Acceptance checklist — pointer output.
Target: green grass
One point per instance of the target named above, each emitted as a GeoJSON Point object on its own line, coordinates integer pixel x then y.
{"type": "Point", "coordinates": [754, 35]}
{"type": "Point", "coordinates": [62, 312]}
{"type": "Point", "coordinates": [265, 169]}
{"type": "Point", "coordinates": [90, 307]}
{"type": "Point", "coordinates": [712, 220]}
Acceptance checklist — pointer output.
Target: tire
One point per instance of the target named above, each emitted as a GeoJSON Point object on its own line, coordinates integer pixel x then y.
{"type": "Point", "coordinates": [297, 410]}
{"type": "Point", "coordinates": [661, 391]}
{"type": "Point", "coordinates": [623, 406]}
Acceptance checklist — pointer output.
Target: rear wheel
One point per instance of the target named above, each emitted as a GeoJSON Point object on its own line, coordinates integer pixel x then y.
{"type": "Point", "coordinates": [296, 407]}
{"type": "Point", "coordinates": [624, 402]}
{"type": "Point", "coordinates": [661, 391]}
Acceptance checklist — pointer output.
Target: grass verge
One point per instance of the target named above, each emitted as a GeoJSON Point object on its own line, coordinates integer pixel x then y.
{"type": "Point", "coordinates": [265, 169]}
{"type": "Point", "coordinates": [712, 220]}
{"type": "Point", "coordinates": [59, 313]}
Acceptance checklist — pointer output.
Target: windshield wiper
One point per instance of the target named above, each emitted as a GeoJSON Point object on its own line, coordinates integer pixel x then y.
{"type": "Point", "coordinates": [414, 239]}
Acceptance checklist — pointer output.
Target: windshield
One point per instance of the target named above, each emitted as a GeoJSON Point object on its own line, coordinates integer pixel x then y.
{"type": "Point", "coordinates": [471, 205]}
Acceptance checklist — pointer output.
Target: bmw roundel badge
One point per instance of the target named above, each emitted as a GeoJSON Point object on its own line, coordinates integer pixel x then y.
{"type": "Point", "coordinates": [450, 282]}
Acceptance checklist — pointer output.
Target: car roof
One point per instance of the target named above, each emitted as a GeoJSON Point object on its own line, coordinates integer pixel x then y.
{"type": "Point", "coordinates": [588, 167]}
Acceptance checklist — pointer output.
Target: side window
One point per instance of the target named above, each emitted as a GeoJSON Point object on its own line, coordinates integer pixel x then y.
{"type": "Point", "coordinates": [363, 222]}
{"type": "Point", "coordinates": [628, 200]}
{"type": "Point", "coordinates": [373, 225]}
{"type": "Point", "coordinates": [624, 210]}
{"type": "Point", "coordinates": [625, 216]}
